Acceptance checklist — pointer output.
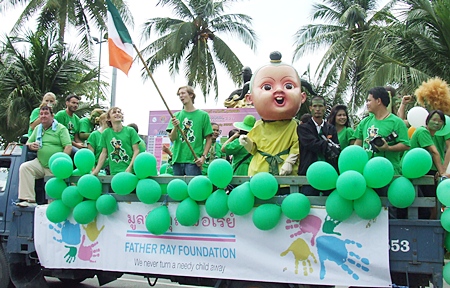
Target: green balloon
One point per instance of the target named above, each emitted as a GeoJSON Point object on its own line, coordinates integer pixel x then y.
{"type": "Point", "coordinates": [123, 183]}
{"type": "Point", "coordinates": [220, 173]}
{"type": "Point", "coordinates": [401, 193]}
{"type": "Point", "coordinates": [166, 168]}
{"type": "Point", "coordinates": [145, 165]}
{"type": "Point", "coordinates": [446, 273]}
{"type": "Point", "coordinates": [89, 186]}
{"type": "Point", "coordinates": [443, 191]}
{"type": "Point", "coordinates": [338, 208]}
{"type": "Point", "coordinates": [85, 212]}
{"type": "Point", "coordinates": [106, 204]}
{"type": "Point", "coordinates": [416, 163]}
{"type": "Point", "coordinates": [148, 191]}
{"type": "Point", "coordinates": [158, 220]}
{"type": "Point", "coordinates": [217, 204]}
{"type": "Point", "coordinates": [296, 206]}
{"type": "Point", "coordinates": [447, 239]}
{"type": "Point", "coordinates": [322, 176]}
{"type": "Point", "coordinates": [84, 160]}
{"type": "Point", "coordinates": [77, 172]}
{"type": "Point", "coordinates": [445, 220]}
{"type": "Point", "coordinates": [188, 212]}
{"type": "Point", "coordinates": [368, 206]}
{"type": "Point", "coordinates": [62, 168]}
{"type": "Point", "coordinates": [199, 188]}
{"type": "Point", "coordinates": [264, 185]}
{"type": "Point", "coordinates": [58, 155]}
{"type": "Point", "coordinates": [378, 172]}
{"type": "Point", "coordinates": [71, 197]}
{"type": "Point", "coordinates": [241, 199]}
{"type": "Point", "coordinates": [55, 187]}
{"type": "Point", "coordinates": [164, 186]}
{"type": "Point", "coordinates": [177, 189]}
{"type": "Point", "coordinates": [57, 211]}
{"type": "Point", "coordinates": [351, 185]}
{"type": "Point", "coordinates": [353, 157]}
{"type": "Point", "coordinates": [266, 216]}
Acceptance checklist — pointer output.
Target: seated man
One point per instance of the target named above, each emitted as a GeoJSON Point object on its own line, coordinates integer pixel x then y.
{"type": "Point", "coordinates": [47, 138]}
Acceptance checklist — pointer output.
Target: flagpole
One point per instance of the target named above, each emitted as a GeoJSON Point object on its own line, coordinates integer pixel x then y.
{"type": "Point", "coordinates": [164, 101]}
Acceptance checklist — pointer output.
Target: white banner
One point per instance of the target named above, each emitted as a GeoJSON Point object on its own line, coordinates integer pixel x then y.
{"type": "Point", "coordinates": [316, 250]}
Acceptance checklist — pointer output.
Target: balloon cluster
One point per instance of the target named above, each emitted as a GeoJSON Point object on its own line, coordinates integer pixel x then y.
{"type": "Point", "coordinates": [443, 195]}
{"type": "Point", "coordinates": [353, 189]}
{"type": "Point", "coordinates": [84, 200]}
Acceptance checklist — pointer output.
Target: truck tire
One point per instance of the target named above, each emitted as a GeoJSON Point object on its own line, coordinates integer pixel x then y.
{"type": "Point", "coordinates": [5, 280]}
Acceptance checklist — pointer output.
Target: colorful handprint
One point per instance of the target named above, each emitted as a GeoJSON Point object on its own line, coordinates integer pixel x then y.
{"type": "Point", "coordinates": [302, 253]}
{"type": "Point", "coordinates": [86, 253]}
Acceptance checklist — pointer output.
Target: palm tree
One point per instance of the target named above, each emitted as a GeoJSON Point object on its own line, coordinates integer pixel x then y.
{"type": "Point", "coordinates": [83, 15]}
{"type": "Point", "coordinates": [411, 50]}
{"type": "Point", "coordinates": [32, 65]}
{"type": "Point", "coordinates": [193, 41]}
{"type": "Point", "coordinates": [346, 22]}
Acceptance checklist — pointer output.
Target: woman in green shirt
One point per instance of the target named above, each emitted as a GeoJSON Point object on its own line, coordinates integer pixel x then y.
{"type": "Point", "coordinates": [339, 118]}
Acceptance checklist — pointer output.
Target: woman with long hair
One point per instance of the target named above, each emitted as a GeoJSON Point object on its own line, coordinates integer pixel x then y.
{"type": "Point", "coordinates": [339, 118]}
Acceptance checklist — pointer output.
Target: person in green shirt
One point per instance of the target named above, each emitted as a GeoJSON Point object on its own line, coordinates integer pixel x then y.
{"type": "Point", "coordinates": [94, 142]}
{"type": "Point", "coordinates": [49, 99]}
{"type": "Point", "coordinates": [381, 123]}
{"type": "Point", "coordinates": [424, 137]}
{"type": "Point", "coordinates": [196, 126]}
{"type": "Point", "coordinates": [48, 138]}
{"type": "Point", "coordinates": [215, 152]}
{"type": "Point", "coordinates": [339, 118]}
{"type": "Point", "coordinates": [120, 144]}
{"type": "Point", "coordinates": [68, 118]}
{"type": "Point", "coordinates": [241, 157]}
{"type": "Point", "coordinates": [87, 124]}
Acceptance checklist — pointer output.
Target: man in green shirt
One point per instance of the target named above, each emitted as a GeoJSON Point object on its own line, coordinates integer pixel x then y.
{"type": "Point", "coordinates": [68, 118]}
{"type": "Point", "coordinates": [48, 138]}
{"type": "Point", "coordinates": [381, 123]}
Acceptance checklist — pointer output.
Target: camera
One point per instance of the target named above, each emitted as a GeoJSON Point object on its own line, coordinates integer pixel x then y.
{"type": "Point", "coordinates": [378, 140]}
{"type": "Point", "coordinates": [333, 149]}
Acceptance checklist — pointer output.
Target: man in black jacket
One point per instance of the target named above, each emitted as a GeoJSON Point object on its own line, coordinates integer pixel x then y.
{"type": "Point", "coordinates": [318, 142]}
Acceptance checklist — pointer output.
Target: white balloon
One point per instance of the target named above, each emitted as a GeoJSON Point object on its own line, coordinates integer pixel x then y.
{"type": "Point", "coordinates": [417, 116]}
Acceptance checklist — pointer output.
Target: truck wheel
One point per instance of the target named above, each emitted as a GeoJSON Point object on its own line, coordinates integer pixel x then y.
{"type": "Point", "coordinates": [5, 280]}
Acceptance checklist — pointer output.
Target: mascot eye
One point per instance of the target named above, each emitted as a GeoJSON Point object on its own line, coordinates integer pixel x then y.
{"type": "Point", "coordinates": [267, 87]}
{"type": "Point", "coordinates": [289, 86]}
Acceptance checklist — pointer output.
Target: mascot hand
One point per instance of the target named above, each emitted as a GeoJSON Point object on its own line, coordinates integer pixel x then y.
{"type": "Point", "coordinates": [246, 142]}
{"type": "Point", "coordinates": [286, 168]}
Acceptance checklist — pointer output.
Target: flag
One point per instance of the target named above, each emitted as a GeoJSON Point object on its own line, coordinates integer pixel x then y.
{"type": "Point", "coordinates": [120, 44]}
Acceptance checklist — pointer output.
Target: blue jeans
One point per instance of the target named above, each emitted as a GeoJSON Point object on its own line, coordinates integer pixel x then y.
{"type": "Point", "coordinates": [188, 169]}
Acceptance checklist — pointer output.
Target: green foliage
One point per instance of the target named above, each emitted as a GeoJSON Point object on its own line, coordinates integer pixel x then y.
{"type": "Point", "coordinates": [192, 41]}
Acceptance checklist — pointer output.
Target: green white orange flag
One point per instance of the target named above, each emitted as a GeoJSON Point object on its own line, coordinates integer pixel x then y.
{"type": "Point", "coordinates": [119, 41]}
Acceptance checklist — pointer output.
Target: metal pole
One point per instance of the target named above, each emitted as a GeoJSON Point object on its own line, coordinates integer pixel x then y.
{"type": "Point", "coordinates": [99, 68]}
{"type": "Point", "coordinates": [113, 87]}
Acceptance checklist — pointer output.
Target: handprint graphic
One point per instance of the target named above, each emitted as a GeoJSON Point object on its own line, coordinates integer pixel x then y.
{"type": "Point", "coordinates": [92, 231]}
{"type": "Point", "coordinates": [302, 253]}
{"type": "Point", "coordinates": [86, 253]}
{"type": "Point", "coordinates": [329, 224]}
{"type": "Point", "coordinates": [335, 250]}
{"type": "Point", "coordinates": [71, 254]}
{"type": "Point", "coordinates": [310, 224]}
{"type": "Point", "coordinates": [70, 233]}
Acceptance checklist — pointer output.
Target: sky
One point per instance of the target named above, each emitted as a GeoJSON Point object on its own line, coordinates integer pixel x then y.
{"type": "Point", "coordinates": [275, 23]}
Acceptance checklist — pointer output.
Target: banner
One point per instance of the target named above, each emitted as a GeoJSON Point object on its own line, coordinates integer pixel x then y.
{"type": "Point", "coordinates": [315, 250]}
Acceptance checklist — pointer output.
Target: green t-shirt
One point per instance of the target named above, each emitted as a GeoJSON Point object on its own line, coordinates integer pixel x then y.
{"type": "Point", "coordinates": [95, 140]}
{"type": "Point", "coordinates": [344, 137]}
{"type": "Point", "coordinates": [238, 152]}
{"type": "Point", "coordinates": [72, 123]}
{"type": "Point", "coordinates": [52, 142]}
{"type": "Point", "coordinates": [196, 126]}
{"type": "Point", "coordinates": [120, 147]}
{"type": "Point", "coordinates": [216, 149]}
{"type": "Point", "coordinates": [86, 125]}
{"type": "Point", "coordinates": [370, 127]}
{"type": "Point", "coordinates": [142, 147]}
{"type": "Point", "coordinates": [423, 139]}
{"type": "Point", "coordinates": [33, 117]}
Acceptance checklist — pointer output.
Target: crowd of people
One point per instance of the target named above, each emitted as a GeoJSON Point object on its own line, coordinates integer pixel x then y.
{"type": "Point", "coordinates": [277, 143]}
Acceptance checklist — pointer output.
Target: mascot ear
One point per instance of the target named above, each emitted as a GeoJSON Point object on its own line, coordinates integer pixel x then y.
{"type": "Point", "coordinates": [248, 98]}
